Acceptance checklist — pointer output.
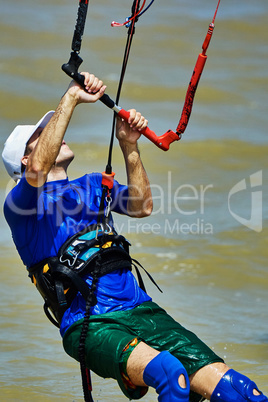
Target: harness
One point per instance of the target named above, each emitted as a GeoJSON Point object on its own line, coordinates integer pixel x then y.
{"type": "Point", "coordinates": [91, 252]}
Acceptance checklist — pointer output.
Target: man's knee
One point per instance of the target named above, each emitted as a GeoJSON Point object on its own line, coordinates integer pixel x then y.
{"type": "Point", "coordinates": [234, 386]}
{"type": "Point", "coordinates": [168, 376]}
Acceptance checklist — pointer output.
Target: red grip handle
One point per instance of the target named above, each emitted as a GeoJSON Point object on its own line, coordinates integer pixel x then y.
{"type": "Point", "coordinates": [163, 141]}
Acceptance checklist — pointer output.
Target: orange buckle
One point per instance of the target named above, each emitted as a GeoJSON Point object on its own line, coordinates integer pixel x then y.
{"type": "Point", "coordinates": [108, 180]}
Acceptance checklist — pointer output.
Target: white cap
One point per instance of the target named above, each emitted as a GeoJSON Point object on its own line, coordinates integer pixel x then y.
{"type": "Point", "coordinates": [15, 145]}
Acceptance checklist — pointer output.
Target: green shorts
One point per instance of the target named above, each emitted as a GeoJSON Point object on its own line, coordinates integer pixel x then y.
{"type": "Point", "coordinates": [109, 333]}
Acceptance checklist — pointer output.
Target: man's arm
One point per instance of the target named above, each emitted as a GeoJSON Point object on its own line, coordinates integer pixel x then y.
{"type": "Point", "coordinates": [47, 149]}
{"type": "Point", "coordinates": [140, 203]}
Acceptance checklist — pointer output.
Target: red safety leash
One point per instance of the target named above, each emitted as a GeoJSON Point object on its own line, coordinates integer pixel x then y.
{"type": "Point", "coordinates": [200, 64]}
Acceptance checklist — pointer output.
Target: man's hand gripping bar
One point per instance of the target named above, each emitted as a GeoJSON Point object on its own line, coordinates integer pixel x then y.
{"type": "Point", "coordinates": [163, 141]}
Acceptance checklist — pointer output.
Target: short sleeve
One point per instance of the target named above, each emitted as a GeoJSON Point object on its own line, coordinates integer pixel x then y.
{"type": "Point", "coordinates": [119, 198]}
{"type": "Point", "coordinates": [21, 202]}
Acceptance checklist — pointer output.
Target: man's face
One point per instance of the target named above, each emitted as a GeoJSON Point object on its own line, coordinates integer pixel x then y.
{"type": "Point", "coordinates": [65, 155]}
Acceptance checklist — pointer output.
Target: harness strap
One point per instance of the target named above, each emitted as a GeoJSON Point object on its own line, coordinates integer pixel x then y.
{"type": "Point", "coordinates": [60, 296]}
{"type": "Point", "coordinates": [59, 272]}
{"type": "Point", "coordinates": [139, 275]}
{"type": "Point", "coordinates": [78, 282]}
{"type": "Point", "coordinates": [49, 316]}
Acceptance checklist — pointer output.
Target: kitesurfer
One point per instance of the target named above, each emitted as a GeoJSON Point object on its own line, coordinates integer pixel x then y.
{"type": "Point", "coordinates": [129, 338]}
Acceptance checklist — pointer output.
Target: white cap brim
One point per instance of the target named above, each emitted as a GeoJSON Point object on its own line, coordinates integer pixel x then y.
{"type": "Point", "coordinates": [15, 145]}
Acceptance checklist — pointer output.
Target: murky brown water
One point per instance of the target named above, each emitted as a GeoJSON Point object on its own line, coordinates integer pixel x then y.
{"type": "Point", "coordinates": [206, 243]}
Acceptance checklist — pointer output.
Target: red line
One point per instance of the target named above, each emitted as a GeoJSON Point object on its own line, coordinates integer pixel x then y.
{"type": "Point", "coordinates": [216, 12]}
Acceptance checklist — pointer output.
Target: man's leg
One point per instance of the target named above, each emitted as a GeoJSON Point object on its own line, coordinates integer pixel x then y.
{"type": "Point", "coordinates": [204, 380]}
{"type": "Point", "coordinates": [215, 382]}
{"type": "Point", "coordinates": [161, 370]}
{"type": "Point", "coordinates": [219, 383]}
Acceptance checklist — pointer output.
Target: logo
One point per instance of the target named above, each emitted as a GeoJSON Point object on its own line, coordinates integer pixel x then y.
{"type": "Point", "coordinates": [255, 220]}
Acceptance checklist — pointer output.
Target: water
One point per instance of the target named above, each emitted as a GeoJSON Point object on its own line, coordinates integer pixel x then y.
{"type": "Point", "coordinates": [205, 245]}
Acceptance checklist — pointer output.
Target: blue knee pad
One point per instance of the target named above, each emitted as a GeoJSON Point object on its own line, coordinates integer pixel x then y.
{"type": "Point", "coordinates": [163, 373]}
{"type": "Point", "coordinates": [234, 386]}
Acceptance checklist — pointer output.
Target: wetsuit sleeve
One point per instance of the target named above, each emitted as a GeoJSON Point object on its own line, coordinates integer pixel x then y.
{"type": "Point", "coordinates": [120, 198]}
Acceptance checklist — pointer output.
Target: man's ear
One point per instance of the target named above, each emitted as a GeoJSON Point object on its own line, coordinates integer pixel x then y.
{"type": "Point", "coordinates": [24, 160]}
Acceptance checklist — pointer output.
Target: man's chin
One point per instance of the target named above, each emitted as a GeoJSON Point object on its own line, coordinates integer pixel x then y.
{"type": "Point", "coordinates": [65, 160]}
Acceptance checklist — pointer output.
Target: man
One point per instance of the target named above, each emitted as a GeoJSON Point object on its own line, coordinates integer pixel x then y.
{"type": "Point", "coordinates": [129, 337]}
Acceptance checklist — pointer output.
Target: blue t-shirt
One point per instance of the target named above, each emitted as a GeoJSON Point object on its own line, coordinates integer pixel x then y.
{"type": "Point", "coordinates": [42, 219]}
